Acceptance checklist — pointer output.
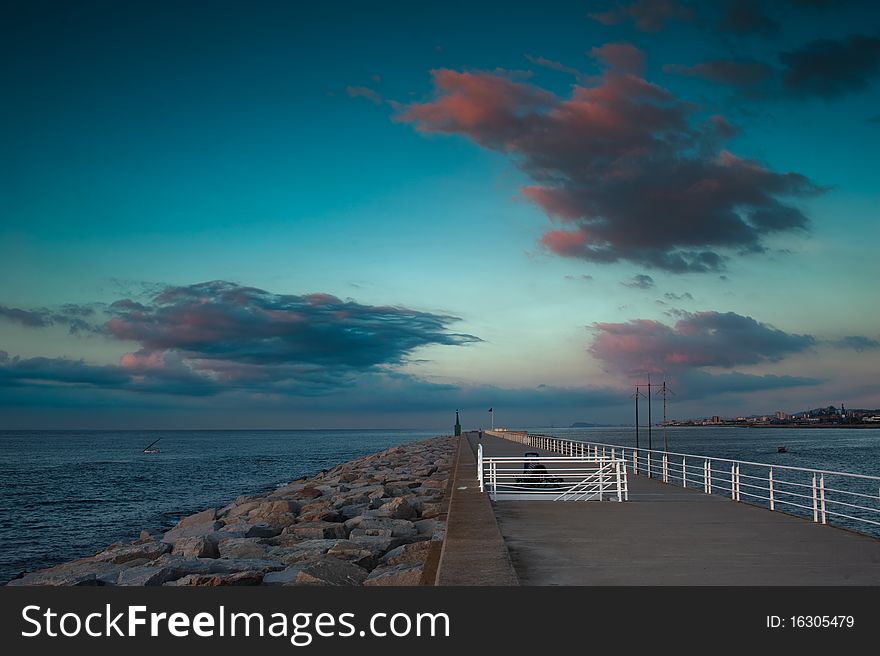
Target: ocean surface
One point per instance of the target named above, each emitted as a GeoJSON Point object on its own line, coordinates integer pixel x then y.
{"type": "Point", "coordinates": [68, 494]}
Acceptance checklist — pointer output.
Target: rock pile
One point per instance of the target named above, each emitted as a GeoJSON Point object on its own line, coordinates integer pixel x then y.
{"type": "Point", "coordinates": [371, 521]}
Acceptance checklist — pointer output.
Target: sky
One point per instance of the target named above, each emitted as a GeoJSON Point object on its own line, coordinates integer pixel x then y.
{"type": "Point", "coordinates": [267, 215]}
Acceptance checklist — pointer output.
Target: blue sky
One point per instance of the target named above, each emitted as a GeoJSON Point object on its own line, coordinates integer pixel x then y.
{"type": "Point", "coordinates": [317, 153]}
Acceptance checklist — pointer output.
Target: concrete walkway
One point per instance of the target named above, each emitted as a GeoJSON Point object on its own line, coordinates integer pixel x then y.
{"type": "Point", "coordinates": [666, 535]}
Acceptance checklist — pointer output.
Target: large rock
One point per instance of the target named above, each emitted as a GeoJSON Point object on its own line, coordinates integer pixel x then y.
{"type": "Point", "coordinates": [263, 530]}
{"type": "Point", "coordinates": [370, 532]}
{"type": "Point", "coordinates": [86, 572]}
{"type": "Point", "coordinates": [284, 576]}
{"type": "Point", "coordinates": [122, 553]}
{"type": "Point", "coordinates": [192, 531]}
{"type": "Point", "coordinates": [243, 548]}
{"type": "Point", "coordinates": [396, 575]}
{"type": "Point", "coordinates": [415, 552]}
{"type": "Point", "coordinates": [353, 552]}
{"type": "Point", "coordinates": [203, 546]}
{"type": "Point", "coordinates": [331, 571]}
{"type": "Point", "coordinates": [305, 550]}
{"type": "Point", "coordinates": [400, 528]}
{"type": "Point", "coordinates": [375, 545]}
{"type": "Point", "coordinates": [170, 567]}
{"type": "Point", "coordinates": [317, 530]}
{"type": "Point", "coordinates": [398, 508]}
{"type": "Point", "coordinates": [198, 518]}
{"type": "Point", "coordinates": [213, 580]}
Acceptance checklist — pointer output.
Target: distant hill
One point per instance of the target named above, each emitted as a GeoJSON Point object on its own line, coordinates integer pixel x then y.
{"type": "Point", "coordinates": [585, 424]}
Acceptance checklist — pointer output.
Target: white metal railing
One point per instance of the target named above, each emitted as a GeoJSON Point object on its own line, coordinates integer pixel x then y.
{"type": "Point", "coordinates": [824, 496]}
{"type": "Point", "coordinates": [562, 478]}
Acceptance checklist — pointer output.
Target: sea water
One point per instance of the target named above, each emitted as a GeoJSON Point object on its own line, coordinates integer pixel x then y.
{"type": "Point", "coordinates": [68, 494]}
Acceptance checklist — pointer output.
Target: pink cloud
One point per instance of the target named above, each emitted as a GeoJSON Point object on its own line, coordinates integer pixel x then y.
{"type": "Point", "coordinates": [624, 162]}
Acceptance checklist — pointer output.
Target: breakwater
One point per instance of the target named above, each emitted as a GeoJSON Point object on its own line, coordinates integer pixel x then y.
{"type": "Point", "coordinates": [376, 520]}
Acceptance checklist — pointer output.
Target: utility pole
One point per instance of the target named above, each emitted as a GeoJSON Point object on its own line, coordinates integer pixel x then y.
{"type": "Point", "coordinates": [650, 444]}
{"type": "Point", "coordinates": [636, 397]}
{"type": "Point", "coordinates": [664, 391]}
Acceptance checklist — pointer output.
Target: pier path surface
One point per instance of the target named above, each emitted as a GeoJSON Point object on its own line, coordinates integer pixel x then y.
{"type": "Point", "coordinates": [666, 535]}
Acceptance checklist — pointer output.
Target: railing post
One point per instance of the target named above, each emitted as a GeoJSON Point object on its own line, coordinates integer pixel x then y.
{"type": "Point", "coordinates": [822, 496]}
{"type": "Point", "coordinates": [613, 454]}
{"type": "Point", "coordinates": [650, 470]}
{"type": "Point", "coordinates": [619, 486]}
{"type": "Point", "coordinates": [733, 482]}
{"type": "Point", "coordinates": [709, 471]}
{"type": "Point", "coordinates": [684, 472]}
{"type": "Point", "coordinates": [635, 462]}
{"type": "Point", "coordinates": [480, 465]}
{"type": "Point", "coordinates": [772, 499]}
{"type": "Point", "coordinates": [815, 501]}
{"type": "Point", "coordinates": [738, 485]}
{"type": "Point", "coordinates": [665, 468]}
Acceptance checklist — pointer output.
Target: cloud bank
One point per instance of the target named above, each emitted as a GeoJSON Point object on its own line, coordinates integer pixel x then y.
{"type": "Point", "coordinates": [627, 169]}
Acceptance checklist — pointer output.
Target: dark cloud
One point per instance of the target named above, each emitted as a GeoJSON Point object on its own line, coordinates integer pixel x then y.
{"type": "Point", "coordinates": [697, 384]}
{"type": "Point", "coordinates": [830, 68]}
{"type": "Point", "coordinates": [679, 297]}
{"type": "Point", "coordinates": [744, 17]}
{"type": "Point", "coordinates": [75, 317]}
{"type": "Point", "coordinates": [218, 336]}
{"type": "Point", "coordinates": [747, 75]}
{"type": "Point", "coordinates": [224, 321]}
{"type": "Point", "coordinates": [857, 342]}
{"type": "Point", "coordinates": [623, 165]}
{"type": "Point", "coordinates": [585, 277]}
{"type": "Point", "coordinates": [639, 281]}
{"type": "Point", "coordinates": [697, 340]}
{"type": "Point", "coordinates": [827, 68]}
{"type": "Point", "coordinates": [646, 15]}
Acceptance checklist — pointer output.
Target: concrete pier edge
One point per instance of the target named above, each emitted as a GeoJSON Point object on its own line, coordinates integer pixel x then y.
{"type": "Point", "coordinates": [474, 551]}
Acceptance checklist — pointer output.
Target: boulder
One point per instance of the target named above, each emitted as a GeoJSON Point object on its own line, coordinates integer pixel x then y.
{"type": "Point", "coordinates": [415, 552]}
{"type": "Point", "coordinates": [242, 548]}
{"type": "Point", "coordinates": [191, 531]}
{"type": "Point", "coordinates": [400, 528]}
{"type": "Point", "coordinates": [213, 580]}
{"type": "Point", "coordinates": [331, 571]}
{"type": "Point", "coordinates": [263, 530]}
{"type": "Point", "coordinates": [122, 553]}
{"type": "Point", "coordinates": [305, 550]}
{"type": "Point", "coordinates": [398, 508]}
{"type": "Point", "coordinates": [317, 530]}
{"type": "Point", "coordinates": [308, 492]}
{"type": "Point", "coordinates": [85, 572]}
{"type": "Point", "coordinates": [431, 510]}
{"type": "Point", "coordinates": [370, 532]}
{"type": "Point", "coordinates": [204, 546]}
{"type": "Point", "coordinates": [396, 575]}
{"type": "Point", "coordinates": [199, 518]}
{"type": "Point", "coordinates": [354, 552]}
{"type": "Point", "coordinates": [284, 576]}
{"type": "Point", "coordinates": [374, 544]}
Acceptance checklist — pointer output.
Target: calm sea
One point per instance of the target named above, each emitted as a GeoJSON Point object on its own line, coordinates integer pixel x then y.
{"type": "Point", "coordinates": [67, 494]}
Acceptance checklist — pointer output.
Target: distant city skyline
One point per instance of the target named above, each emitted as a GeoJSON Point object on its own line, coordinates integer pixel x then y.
{"type": "Point", "coordinates": [280, 216]}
